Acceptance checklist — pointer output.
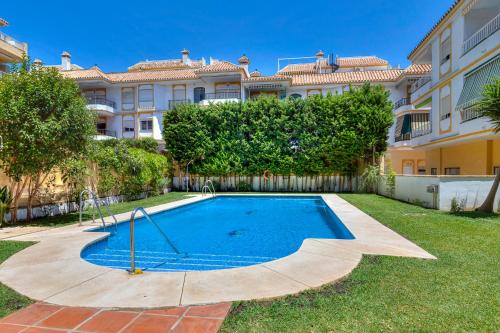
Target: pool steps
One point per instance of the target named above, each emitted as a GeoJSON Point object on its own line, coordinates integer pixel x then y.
{"type": "Point", "coordinates": [151, 261]}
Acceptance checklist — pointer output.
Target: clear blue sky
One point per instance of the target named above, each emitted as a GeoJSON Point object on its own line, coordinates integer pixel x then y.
{"type": "Point", "coordinates": [116, 34]}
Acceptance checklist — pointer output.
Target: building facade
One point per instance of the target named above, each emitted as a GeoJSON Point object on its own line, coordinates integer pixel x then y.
{"type": "Point", "coordinates": [463, 51]}
{"type": "Point", "coordinates": [11, 50]}
{"type": "Point", "coordinates": [436, 130]}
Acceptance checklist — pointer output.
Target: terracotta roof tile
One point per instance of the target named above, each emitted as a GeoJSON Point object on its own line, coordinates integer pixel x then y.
{"type": "Point", "coordinates": [390, 75]}
{"type": "Point", "coordinates": [298, 69]}
{"type": "Point", "coordinates": [267, 78]}
{"type": "Point", "coordinates": [165, 64]}
{"type": "Point", "coordinates": [151, 75]}
{"type": "Point", "coordinates": [219, 66]}
{"type": "Point", "coordinates": [418, 69]}
{"type": "Point", "coordinates": [93, 73]}
{"type": "Point", "coordinates": [361, 61]}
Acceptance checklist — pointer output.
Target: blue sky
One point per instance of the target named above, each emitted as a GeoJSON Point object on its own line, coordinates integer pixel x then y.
{"type": "Point", "coordinates": [116, 34]}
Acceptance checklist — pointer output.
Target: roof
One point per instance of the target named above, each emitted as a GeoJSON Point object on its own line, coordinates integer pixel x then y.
{"type": "Point", "coordinates": [306, 68]}
{"type": "Point", "coordinates": [418, 69]}
{"type": "Point", "coordinates": [347, 77]}
{"type": "Point", "coordinates": [3, 22]}
{"type": "Point", "coordinates": [219, 66]}
{"type": "Point", "coordinates": [435, 26]}
{"type": "Point", "coordinates": [165, 64]}
{"type": "Point", "coordinates": [361, 61]}
{"type": "Point", "coordinates": [386, 75]}
{"type": "Point", "coordinates": [60, 67]}
{"type": "Point", "coordinates": [95, 73]}
{"type": "Point", "coordinates": [270, 78]}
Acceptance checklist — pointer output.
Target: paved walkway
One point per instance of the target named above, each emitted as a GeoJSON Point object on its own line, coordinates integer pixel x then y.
{"type": "Point", "coordinates": [48, 318]}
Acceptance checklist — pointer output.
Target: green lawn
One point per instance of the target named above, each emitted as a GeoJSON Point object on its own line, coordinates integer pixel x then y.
{"type": "Point", "coordinates": [117, 208]}
{"type": "Point", "coordinates": [458, 292]}
{"type": "Point", "coordinates": [11, 301]}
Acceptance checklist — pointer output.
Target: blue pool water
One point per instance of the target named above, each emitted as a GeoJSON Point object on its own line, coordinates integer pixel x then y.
{"type": "Point", "coordinates": [224, 232]}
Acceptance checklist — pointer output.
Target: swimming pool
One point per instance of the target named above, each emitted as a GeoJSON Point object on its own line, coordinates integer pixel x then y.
{"type": "Point", "coordinates": [219, 233]}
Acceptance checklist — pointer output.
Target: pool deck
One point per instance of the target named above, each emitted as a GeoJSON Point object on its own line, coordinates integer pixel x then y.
{"type": "Point", "coordinates": [52, 270]}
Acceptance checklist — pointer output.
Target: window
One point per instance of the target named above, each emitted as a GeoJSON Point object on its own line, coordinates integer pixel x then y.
{"type": "Point", "coordinates": [128, 98]}
{"type": "Point", "coordinates": [452, 171]}
{"type": "Point", "coordinates": [146, 96]}
{"type": "Point", "coordinates": [147, 125]}
{"type": "Point", "coordinates": [128, 126]}
{"type": "Point", "coordinates": [445, 106]}
{"type": "Point", "coordinates": [434, 171]}
{"type": "Point", "coordinates": [297, 96]}
{"type": "Point", "coordinates": [313, 92]}
{"type": "Point", "coordinates": [180, 93]}
{"type": "Point", "coordinates": [445, 50]}
{"type": "Point", "coordinates": [199, 94]}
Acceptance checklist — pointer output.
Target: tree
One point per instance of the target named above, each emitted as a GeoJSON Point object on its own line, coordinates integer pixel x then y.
{"type": "Point", "coordinates": [489, 106]}
{"type": "Point", "coordinates": [44, 122]}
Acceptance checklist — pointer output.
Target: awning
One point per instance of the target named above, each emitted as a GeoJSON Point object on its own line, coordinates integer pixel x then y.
{"type": "Point", "coordinates": [475, 81]}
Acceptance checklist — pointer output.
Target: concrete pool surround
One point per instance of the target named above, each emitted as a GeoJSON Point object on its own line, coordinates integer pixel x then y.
{"type": "Point", "coordinates": [53, 271]}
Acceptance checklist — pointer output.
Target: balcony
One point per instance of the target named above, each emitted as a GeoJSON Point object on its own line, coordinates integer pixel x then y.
{"type": "Point", "coordinates": [173, 103]}
{"type": "Point", "coordinates": [402, 102]}
{"type": "Point", "coordinates": [11, 49]}
{"type": "Point", "coordinates": [224, 95]}
{"type": "Point", "coordinates": [412, 126]}
{"type": "Point", "coordinates": [103, 106]}
{"type": "Point", "coordinates": [105, 132]}
{"type": "Point", "coordinates": [487, 30]}
{"type": "Point", "coordinates": [469, 114]}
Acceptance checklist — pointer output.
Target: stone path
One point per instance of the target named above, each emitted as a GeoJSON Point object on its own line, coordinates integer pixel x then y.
{"type": "Point", "coordinates": [48, 318]}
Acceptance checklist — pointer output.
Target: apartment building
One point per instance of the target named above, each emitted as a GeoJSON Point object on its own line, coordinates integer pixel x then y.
{"type": "Point", "coordinates": [131, 104]}
{"type": "Point", "coordinates": [11, 50]}
{"type": "Point", "coordinates": [437, 131]}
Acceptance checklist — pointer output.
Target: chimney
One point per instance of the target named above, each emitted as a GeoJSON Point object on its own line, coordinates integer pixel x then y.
{"type": "Point", "coordinates": [66, 61]}
{"type": "Point", "coordinates": [244, 62]}
{"type": "Point", "coordinates": [319, 55]}
{"type": "Point", "coordinates": [185, 56]}
{"type": "Point", "coordinates": [37, 62]}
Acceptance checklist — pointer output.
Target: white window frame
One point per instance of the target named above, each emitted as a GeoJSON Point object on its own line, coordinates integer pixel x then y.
{"type": "Point", "coordinates": [146, 96]}
{"type": "Point", "coordinates": [149, 125]}
{"type": "Point", "coordinates": [127, 91]}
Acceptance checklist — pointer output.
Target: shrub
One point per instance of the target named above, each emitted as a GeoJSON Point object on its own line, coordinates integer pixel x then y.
{"type": "Point", "coordinates": [370, 179]}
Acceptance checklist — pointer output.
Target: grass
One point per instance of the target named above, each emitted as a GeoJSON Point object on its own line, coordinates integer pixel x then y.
{"type": "Point", "coordinates": [458, 292]}
{"type": "Point", "coordinates": [117, 208]}
{"type": "Point", "coordinates": [10, 300]}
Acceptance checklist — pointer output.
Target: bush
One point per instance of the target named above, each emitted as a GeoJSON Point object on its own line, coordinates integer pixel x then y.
{"type": "Point", "coordinates": [319, 135]}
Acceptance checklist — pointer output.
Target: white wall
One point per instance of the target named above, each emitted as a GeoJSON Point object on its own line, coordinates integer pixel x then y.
{"type": "Point", "coordinates": [471, 191]}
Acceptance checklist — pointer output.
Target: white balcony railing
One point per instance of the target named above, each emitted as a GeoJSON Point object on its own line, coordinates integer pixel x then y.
{"type": "Point", "coordinates": [487, 30]}
{"type": "Point", "coordinates": [469, 114]}
{"type": "Point", "coordinates": [11, 41]}
{"type": "Point", "coordinates": [420, 83]}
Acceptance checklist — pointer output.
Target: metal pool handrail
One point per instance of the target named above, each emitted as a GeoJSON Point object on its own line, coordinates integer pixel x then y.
{"type": "Point", "coordinates": [95, 199]}
{"type": "Point", "coordinates": [209, 185]}
{"type": "Point", "coordinates": [132, 237]}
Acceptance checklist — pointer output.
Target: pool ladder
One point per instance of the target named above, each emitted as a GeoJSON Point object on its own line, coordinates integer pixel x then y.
{"type": "Point", "coordinates": [208, 187]}
{"type": "Point", "coordinates": [132, 237]}
{"type": "Point", "coordinates": [95, 199]}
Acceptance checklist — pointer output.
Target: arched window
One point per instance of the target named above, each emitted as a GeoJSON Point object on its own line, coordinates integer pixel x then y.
{"type": "Point", "coordinates": [199, 94]}
{"type": "Point", "coordinates": [295, 96]}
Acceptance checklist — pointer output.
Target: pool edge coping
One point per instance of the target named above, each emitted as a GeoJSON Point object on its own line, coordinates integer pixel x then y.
{"type": "Point", "coordinates": [316, 262]}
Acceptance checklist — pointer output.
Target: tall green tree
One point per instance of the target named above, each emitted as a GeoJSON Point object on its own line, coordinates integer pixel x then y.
{"type": "Point", "coordinates": [44, 121]}
{"type": "Point", "coordinates": [489, 106]}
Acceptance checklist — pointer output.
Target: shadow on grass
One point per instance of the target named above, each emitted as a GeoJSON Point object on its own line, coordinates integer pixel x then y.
{"type": "Point", "coordinates": [474, 214]}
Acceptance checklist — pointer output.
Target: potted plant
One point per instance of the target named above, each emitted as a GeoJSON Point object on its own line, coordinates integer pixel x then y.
{"type": "Point", "coordinates": [5, 201]}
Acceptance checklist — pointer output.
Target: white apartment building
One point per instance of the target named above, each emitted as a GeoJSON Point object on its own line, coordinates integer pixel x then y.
{"type": "Point", "coordinates": [463, 50]}
{"type": "Point", "coordinates": [11, 50]}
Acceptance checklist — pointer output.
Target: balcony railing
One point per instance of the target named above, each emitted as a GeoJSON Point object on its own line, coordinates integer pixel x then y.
{"type": "Point", "coordinates": [176, 102]}
{"type": "Point", "coordinates": [420, 83]}
{"type": "Point", "coordinates": [469, 114]}
{"type": "Point", "coordinates": [106, 132]}
{"type": "Point", "coordinates": [11, 41]}
{"type": "Point", "coordinates": [223, 95]}
{"type": "Point", "coordinates": [487, 30]}
{"type": "Point", "coordinates": [420, 126]}
{"type": "Point", "coordinates": [401, 102]}
{"type": "Point", "coordinates": [99, 100]}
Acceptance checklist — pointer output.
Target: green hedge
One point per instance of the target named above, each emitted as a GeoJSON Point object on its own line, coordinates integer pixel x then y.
{"type": "Point", "coordinates": [319, 135]}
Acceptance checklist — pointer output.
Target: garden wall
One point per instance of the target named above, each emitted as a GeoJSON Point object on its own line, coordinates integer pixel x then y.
{"type": "Point", "coordinates": [276, 183]}
{"type": "Point", "coordinates": [469, 191]}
